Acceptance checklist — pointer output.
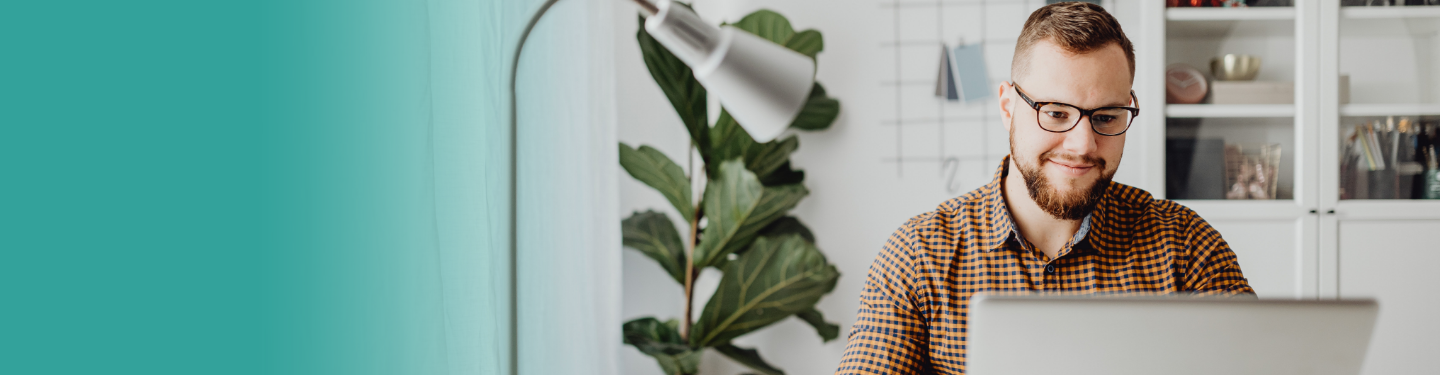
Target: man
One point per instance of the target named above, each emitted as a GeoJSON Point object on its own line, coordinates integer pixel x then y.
{"type": "Point", "coordinates": [1058, 225]}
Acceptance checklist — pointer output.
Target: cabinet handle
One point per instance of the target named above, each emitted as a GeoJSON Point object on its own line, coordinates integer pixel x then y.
{"type": "Point", "coordinates": [1314, 211]}
{"type": "Point", "coordinates": [1330, 212]}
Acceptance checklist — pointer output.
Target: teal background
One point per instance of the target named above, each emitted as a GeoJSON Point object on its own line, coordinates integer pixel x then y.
{"type": "Point", "coordinates": [249, 187]}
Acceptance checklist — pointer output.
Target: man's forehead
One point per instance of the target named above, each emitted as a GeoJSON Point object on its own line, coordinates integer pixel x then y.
{"type": "Point", "coordinates": [1100, 77]}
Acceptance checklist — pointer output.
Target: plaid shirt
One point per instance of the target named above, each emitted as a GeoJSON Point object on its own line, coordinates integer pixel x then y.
{"type": "Point", "coordinates": [913, 309]}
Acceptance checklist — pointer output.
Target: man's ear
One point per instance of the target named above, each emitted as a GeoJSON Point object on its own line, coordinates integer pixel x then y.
{"type": "Point", "coordinates": [1007, 108]}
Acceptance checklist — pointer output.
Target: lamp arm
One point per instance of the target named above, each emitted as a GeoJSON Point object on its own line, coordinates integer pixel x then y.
{"type": "Point", "coordinates": [649, 8]}
{"type": "Point", "coordinates": [515, 192]}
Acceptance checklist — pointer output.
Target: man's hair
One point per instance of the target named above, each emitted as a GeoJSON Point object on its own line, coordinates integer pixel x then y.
{"type": "Point", "coordinates": [1076, 27]}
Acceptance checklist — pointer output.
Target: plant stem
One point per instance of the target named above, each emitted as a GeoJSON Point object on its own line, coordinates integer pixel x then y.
{"type": "Point", "coordinates": [690, 248]}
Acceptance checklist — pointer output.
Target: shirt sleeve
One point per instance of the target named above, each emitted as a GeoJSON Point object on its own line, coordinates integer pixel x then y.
{"type": "Point", "coordinates": [889, 331]}
{"type": "Point", "coordinates": [1214, 269]}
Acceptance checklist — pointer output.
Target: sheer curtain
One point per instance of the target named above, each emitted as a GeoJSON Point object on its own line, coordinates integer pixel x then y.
{"type": "Point", "coordinates": [569, 235]}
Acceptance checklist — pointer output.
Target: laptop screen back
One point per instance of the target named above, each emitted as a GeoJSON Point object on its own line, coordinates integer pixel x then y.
{"type": "Point", "coordinates": [1166, 335]}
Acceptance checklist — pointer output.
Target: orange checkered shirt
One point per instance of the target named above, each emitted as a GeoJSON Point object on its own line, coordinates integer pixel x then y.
{"type": "Point", "coordinates": [913, 310]}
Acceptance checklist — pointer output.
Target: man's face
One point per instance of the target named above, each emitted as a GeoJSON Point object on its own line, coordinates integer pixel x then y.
{"type": "Point", "coordinates": [1066, 173]}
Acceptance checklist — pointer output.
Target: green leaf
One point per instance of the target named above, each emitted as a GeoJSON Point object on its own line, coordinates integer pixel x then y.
{"type": "Point", "coordinates": [788, 225]}
{"type": "Point", "coordinates": [783, 176]}
{"type": "Point", "coordinates": [654, 235]}
{"type": "Point", "coordinates": [731, 141]}
{"type": "Point", "coordinates": [777, 277]}
{"type": "Point", "coordinates": [662, 341]}
{"type": "Point", "coordinates": [748, 357]}
{"type": "Point", "coordinates": [819, 111]}
{"type": "Point", "coordinates": [654, 169]}
{"type": "Point", "coordinates": [737, 207]}
{"type": "Point", "coordinates": [780, 228]}
{"type": "Point", "coordinates": [828, 331]}
{"type": "Point", "coordinates": [727, 141]}
{"type": "Point", "coordinates": [808, 42]}
{"type": "Point", "coordinates": [767, 24]}
{"type": "Point", "coordinates": [680, 86]}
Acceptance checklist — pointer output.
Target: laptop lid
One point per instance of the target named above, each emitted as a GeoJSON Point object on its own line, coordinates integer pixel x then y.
{"type": "Point", "coordinates": [1166, 335]}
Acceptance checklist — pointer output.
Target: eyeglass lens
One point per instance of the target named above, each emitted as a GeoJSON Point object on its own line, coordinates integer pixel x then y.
{"type": "Point", "coordinates": [1060, 117]}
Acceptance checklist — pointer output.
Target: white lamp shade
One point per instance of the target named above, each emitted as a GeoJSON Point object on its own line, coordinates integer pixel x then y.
{"type": "Point", "coordinates": [762, 84]}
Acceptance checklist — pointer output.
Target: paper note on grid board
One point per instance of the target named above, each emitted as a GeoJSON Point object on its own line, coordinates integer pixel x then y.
{"type": "Point", "coordinates": [962, 75]}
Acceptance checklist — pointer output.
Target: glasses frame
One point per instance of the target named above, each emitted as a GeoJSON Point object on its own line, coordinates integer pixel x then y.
{"type": "Point", "coordinates": [1134, 112]}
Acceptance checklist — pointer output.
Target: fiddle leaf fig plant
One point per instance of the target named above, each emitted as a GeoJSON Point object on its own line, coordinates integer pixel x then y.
{"type": "Point", "coordinates": [771, 267]}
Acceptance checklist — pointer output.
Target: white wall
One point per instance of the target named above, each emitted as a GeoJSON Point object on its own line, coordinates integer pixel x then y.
{"type": "Point", "coordinates": [859, 194]}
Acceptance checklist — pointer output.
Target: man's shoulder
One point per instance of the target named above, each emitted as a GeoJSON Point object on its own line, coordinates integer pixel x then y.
{"type": "Point", "coordinates": [1145, 211]}
{"type": "Point", "coordinates": [950, 226]}
{"type": "Point", "coordinates": [968, 209]}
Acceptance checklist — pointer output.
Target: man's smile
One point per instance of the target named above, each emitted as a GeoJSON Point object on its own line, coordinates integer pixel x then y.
{"type": "Point", "coordinates": [1073, 169]}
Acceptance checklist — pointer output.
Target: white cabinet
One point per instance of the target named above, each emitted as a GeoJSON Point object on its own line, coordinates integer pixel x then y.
{"type": "Point", "coordinates": [1351, 66]}
{"type": "Point", "coordinates": [1381, 248]}
{"type": "Point", "coordinates": [1276, 240]}
{"type": "Point", "coordinates": [1386, 260]}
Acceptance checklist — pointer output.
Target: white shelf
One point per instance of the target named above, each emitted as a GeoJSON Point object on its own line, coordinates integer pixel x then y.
{"type": "Point", "coordinates": [1390, 12]}
{"type": "Point", "coordinates": [1229, 110]}
{"type": "Point", "coordinates": [1357, 110]}
{"type": "Point", "coordinates": [1230, 14]}
{"type": "Point", "coordinates": [1350, 209]}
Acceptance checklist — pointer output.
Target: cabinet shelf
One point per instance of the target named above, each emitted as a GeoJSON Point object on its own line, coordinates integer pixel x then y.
{"type": "Point", "coordinates": [1230, 14]}
{"type": "Point", "coordinates": [1359, 110]}
{"type": "Point", "coordinates": [1229, 110]}
{"type": "Point", "coordinates": [1390, 12]}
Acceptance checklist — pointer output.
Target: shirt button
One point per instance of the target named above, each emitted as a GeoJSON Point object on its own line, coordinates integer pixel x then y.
{"type": "Point", "coordinates": [1050, 268]}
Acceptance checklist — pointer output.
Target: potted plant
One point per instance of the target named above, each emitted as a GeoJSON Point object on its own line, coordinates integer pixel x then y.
{"type": "Point", "coordinates": [772, 268]}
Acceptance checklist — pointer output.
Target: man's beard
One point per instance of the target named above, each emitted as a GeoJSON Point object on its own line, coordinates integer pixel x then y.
{"type": "Point", "coordinates": [1073, 205]}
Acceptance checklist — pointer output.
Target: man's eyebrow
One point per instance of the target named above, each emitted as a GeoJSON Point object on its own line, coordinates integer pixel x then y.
{"type": "Point", "coordinates": [1124, 104]}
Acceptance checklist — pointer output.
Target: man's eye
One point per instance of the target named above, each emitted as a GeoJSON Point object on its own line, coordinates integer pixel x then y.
{"type": "Point", "coordinates": [1056, 114]}
{"type": "Point", "coordinates": [1102, 119]}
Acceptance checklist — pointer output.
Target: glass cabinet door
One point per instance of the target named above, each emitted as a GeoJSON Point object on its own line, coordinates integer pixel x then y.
{"type": "Point", "coordinates": [1235, 136]}
{"type": "Point", "coordinates": [1389, 101]}
{"type": "Point", "coordinates": [1231, 127]}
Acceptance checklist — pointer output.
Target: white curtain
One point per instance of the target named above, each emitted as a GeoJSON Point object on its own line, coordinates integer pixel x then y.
{"type": "Point", "coordinates": [569, 237]}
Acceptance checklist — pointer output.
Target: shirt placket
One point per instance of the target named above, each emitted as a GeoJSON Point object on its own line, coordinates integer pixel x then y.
{"type": "Point", "coordinates": [1044, 275]}
{"type": "Point", "coordinates": [1054, 266]}
{"type": "Point", "coordinates": [1036, 272]}
{"type": "Point", "coordinates": [1052, 274]}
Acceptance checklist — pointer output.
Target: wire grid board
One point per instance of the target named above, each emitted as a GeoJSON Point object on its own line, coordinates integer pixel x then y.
{"type": "Point", "coordinates": [957, 142]}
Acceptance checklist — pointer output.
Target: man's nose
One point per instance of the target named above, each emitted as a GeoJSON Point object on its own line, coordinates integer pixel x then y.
{"type": "Point", "coordinates": [1081, 139]}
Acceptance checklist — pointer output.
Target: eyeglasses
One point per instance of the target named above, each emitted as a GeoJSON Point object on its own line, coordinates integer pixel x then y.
{"type": "Point", "coordinates": [1056, 117]}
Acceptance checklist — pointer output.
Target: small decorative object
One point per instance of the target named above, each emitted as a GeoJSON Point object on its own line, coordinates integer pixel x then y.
{"type": "Point", "coordinates": [771, 268]}
{"type": "Point", "coordinates": [962, 73]}
{"type": "Point", "coordinates": [1184, 84]}
{"type": "Point", "coordinates": [1234, 67]}
{"type": "Point", "coordinates": [1269, 3]}
{"type": "Point", "coordinates": [1432, 174]}
{"type": "Point", "coordinates": [1251, 175]}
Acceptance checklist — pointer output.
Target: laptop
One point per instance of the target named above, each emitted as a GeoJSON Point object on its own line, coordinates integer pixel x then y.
{"type": "Point", "coordinates": [1176, 335]}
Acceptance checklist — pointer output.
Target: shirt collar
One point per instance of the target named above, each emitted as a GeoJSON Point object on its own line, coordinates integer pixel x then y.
{"type": "Point", "coordinates": [995, 209]}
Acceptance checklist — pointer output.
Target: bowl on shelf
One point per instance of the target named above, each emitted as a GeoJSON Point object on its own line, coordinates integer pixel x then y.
{"type": "Point", "coordinates": [1233, 67]}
